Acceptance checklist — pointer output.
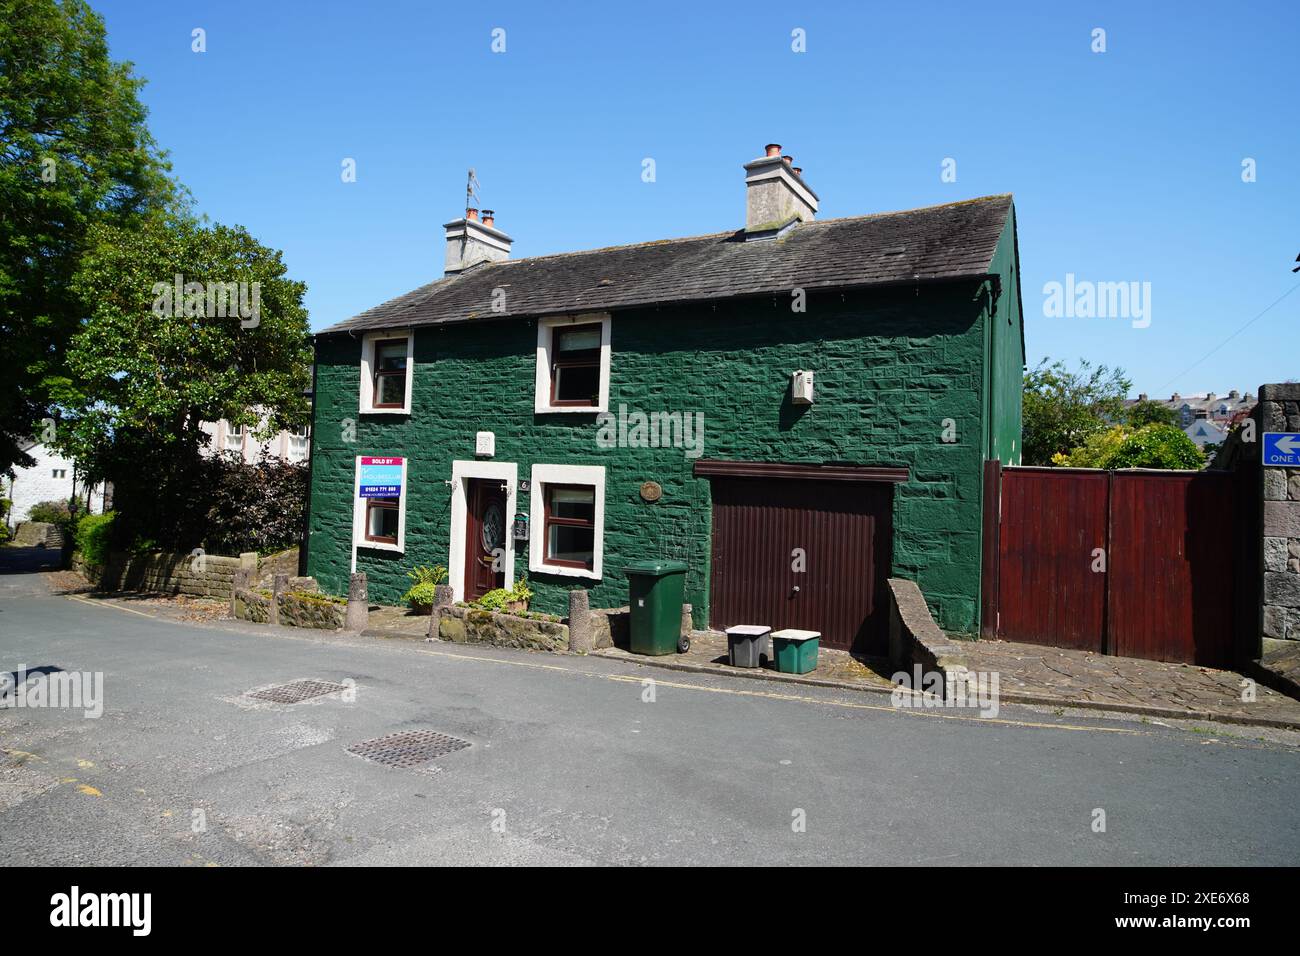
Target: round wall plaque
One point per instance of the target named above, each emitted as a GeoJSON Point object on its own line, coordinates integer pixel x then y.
{"type": "Point", "coordinates": [652, 491]}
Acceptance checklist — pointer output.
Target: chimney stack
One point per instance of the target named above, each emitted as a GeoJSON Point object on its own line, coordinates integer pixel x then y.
{"type": "Point", "coordinates": [776, 197]}
{"type": "Point", "coordinates": [471, 242]}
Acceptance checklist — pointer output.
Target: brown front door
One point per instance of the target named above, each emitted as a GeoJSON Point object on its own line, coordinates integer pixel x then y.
{"type": "Point", "coordinates": [805, 554]}
{"type": "Point", "coordinates": [485, 537]}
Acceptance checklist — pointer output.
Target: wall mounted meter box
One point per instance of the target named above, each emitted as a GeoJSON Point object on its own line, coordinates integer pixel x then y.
{"type": "Point", "coordinates": [801, 387]}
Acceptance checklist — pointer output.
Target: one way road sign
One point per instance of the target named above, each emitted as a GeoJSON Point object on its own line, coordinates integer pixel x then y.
{"type": "Point", "coordinates": [1282, 449]}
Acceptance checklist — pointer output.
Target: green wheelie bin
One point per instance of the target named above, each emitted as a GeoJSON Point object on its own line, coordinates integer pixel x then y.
{"type": "Point", "coordinates": [656, 590]}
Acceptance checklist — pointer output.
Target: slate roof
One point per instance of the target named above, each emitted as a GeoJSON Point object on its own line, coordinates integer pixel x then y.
{"type": "Point", "coordinates": [952, 241]}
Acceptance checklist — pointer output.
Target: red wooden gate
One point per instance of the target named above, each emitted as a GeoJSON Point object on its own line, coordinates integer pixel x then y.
{"type": "Point", "coordinates": [1052, 520]}
{"type": "Point", "coordinates": [1134, 563]}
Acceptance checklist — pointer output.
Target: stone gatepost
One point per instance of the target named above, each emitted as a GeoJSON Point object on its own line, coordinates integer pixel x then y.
{"type": "Point", "coordinates": [580, 630]}
{"type": "Point", "coordinates": [240, 581]}
{"type": "Point", "coordinates": [358, 603]}
{"type": "Point", "coordinates": [443, 596]}
{"type": "Point", "coordinates": [279, 584]}
{"type": "Point", "coordinates": [1279, 408]}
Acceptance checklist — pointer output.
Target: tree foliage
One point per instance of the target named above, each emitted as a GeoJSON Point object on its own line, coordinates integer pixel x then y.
{"type": "Point", "coordinates": [1150, 446]}
{"type": "Point", "coordinates": [74, 153]}
{"type": "Point", "coordinates": [144, 374]}
{"type": "Point", "coordinates": [1062, 409]}
{"type": "Point", "coordinates": [252, 507]}
{"type": "Point", "coordinates": [1147, 412]}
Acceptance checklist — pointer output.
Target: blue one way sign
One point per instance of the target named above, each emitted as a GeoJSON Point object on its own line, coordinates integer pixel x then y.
{"type": "Point", "coordinates": [1282, 449]}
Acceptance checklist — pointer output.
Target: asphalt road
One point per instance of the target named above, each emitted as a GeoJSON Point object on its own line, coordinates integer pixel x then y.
{"type": "Point", "coordinates": [568, 764]}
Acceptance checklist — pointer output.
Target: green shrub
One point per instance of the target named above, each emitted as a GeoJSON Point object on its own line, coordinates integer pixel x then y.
{"type": "Point", "coordinates": [424, 591]}
{"type": "Point", "coordinates": [94, 533]}
{"type": "Point", "coordinates": [421, 595]}
{"type": "Point", "coordinates": [52, 512]}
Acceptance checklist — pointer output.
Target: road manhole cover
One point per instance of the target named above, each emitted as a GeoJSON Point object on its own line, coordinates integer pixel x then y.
{"type": "Point", "coordinates": [296, 691]}
{"type": "Point", "coordinates": [408, 749]}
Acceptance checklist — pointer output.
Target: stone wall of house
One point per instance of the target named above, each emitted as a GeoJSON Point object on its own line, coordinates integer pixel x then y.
{"type": "Point", "coordinates": [1279, 411]}
{"type": "Point", "coordinates": [891, 369]}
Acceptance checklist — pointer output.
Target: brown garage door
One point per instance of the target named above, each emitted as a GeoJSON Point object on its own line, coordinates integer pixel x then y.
{"type": "Point", "coordinates": [766, 528]}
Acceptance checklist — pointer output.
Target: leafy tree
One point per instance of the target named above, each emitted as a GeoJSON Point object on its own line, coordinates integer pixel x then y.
{"type": "Point", "coordinates": [1151, 446]}
{"type": "Point", "coordinates": [74, 153]}
{"type": "Point", "coordinates": [1062, 409]}
{"type": "Point", "coordinates": [148, 365]}
{"type": "Point", "coordinates": [1147, 412]}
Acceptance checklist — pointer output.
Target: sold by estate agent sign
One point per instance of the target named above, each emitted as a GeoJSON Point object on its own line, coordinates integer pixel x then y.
{"type": "Point", "coordinates": [1282, 449]}
{"type": "Point", "coordinates": [381, 477]}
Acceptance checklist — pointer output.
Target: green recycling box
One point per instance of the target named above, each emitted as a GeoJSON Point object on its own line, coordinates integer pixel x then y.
{"type": "Point", "coordinates": [795, 650]}
{"type": "Point", "coordinates": [655, 591]}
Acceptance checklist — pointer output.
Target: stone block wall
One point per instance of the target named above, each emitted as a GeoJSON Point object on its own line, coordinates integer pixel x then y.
{"type": "Point", "coordinates": [471, 625]}
{"type": "Point", "coordinates": [208, 575]}
{"type": "Point", "coordinates": [304, 607]}
{"type": "Point", "coordinates": [1279, 411]}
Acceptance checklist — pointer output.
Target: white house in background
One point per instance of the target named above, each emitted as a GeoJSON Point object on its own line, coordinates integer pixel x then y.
{"type": "Point", "coordinates": [288, 445]}
{"type": "Point", "coordinates": [50, 479]}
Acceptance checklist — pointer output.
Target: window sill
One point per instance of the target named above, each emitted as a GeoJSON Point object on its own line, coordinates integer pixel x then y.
{"type": "Point", "coordinates": [406, 410]}
{"type": "Point", "coordinates": [380, 546]}
{"type": "Point", "coordinates": [563, 571]}
{"type": "Point", "coordinates": [568, 409]}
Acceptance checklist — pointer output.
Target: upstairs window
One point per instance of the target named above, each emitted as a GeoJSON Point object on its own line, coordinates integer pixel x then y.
{"type": "Point", "coordinates": [390, 374]}
{"type": "Point", "coordinates": [575, 366]}
{"type": "Point", "coordinates": [573, 360]}
{"type": "Point", "coordinates": [386, 367]}
{"type": "Point", "coordinates": [234, 437]}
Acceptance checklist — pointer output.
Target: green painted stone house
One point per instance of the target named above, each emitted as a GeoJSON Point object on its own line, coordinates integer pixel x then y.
{"type": "Point", "coordinates": [798, 409]}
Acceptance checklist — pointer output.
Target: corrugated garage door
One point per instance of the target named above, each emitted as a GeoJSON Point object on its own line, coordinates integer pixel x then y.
{"type": "Point", "coordinates": [842, 529]}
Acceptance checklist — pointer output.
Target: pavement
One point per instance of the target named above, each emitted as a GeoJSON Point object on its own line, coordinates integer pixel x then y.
{"type": "Point", "coordinates": [578, 760]}
{"type": "Point", "coordinates": [1028, 674]}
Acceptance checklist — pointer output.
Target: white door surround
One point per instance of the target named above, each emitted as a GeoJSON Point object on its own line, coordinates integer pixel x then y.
{"type": "Point", "coordinates": [504, 471]}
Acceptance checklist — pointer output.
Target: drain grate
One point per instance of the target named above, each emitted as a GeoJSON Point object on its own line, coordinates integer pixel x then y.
{"type": "Point", "coordinates": [296, 691]}
{"type": "Point", "coordinates": [408, 749]}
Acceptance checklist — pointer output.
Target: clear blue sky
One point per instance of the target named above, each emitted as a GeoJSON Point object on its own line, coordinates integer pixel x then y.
{"type": "Point", "coordinates": [1125, 165]}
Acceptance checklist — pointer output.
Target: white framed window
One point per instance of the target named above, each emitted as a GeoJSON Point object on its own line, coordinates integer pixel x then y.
{"type": "Point", "coordinates": [387, 370]}
{"type": "Point", "coordinates": [567, 534]}
{"type": "Point", "coordinates": [379, 520]}
{"type": "Point", "coordinates": [60, 472]}
{"type": "Point", "coordinates": [234, 437]}
{"type": "Point", "coordinates": [573, 359]}
{"type": "Point", "coordinates": [298, 438]}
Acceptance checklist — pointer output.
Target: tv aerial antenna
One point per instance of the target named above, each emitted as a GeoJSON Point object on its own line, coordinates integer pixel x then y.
{"type": "Point", "coordinates": [471, 189]}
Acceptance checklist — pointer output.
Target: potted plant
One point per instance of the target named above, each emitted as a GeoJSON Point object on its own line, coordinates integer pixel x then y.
{"type": "Point", "coordinates": [518, 598]}
{"type": "Point", "coordinates": [423, 593]}
{"type": "Point", "coordinates": [507, 600]}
